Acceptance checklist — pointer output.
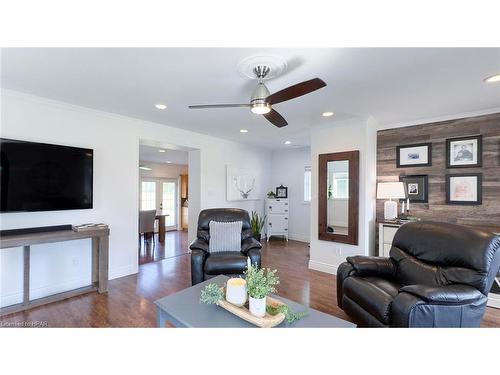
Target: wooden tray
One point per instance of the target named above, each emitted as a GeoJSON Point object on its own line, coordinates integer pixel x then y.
{"type": "Point", "coordinates": [267, 321]}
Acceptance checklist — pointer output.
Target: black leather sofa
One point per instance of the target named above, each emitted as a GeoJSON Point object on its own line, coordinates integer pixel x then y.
{"type": "Point", "coordinates": [437, 275]}
{"type": "Point", "coordinates": [204, 264]}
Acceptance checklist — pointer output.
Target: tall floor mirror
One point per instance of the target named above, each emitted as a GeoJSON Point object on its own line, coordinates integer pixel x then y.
{"type": "Point", "coordinates": [338, 197]}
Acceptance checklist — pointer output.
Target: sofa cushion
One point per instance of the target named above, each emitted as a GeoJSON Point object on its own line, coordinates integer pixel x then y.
{"type": "Point", "coordinates": [373, 294]}
{"type": "Point", "coordinates": [225, 236]}
{"type": "Point", "coordinates": [225, 262]}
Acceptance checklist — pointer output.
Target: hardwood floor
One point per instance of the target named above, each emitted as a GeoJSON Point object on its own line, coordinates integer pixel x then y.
{"type": "Point", "coordinates": [129, 302]}
{"type": "Point", "coordinates": [176, 243]}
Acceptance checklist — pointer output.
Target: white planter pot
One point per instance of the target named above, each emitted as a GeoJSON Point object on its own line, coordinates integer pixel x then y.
{"type": "Point", "coordinates": [258, 306]}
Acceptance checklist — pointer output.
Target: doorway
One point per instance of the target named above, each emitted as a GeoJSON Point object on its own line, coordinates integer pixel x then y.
{"type": "Point", "coordinates": [162, 195]}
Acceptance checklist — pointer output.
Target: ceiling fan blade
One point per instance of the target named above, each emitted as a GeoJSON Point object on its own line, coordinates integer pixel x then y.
{"type": "Point", "coordinates": [295, 91]}
{"type": "Point", "coordinates": [203, 106]}
{"type": "Point", "coordinates": [275, 118]}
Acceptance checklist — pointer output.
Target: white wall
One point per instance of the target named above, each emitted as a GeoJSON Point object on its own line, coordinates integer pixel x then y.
{"type": "Point", "coordinates": [115, 140]}
{"type": "Point", "coordinates": [287, 169]}
{"type": "Point", "coordinates": [350, 135]}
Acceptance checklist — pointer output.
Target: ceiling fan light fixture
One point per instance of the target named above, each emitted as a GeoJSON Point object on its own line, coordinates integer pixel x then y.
{"type": "Point", "coordinates": [327, 114]}
{"type": "Point", "coordinates": [260, 108]}
{"type": "Point", "coordinates": [495, 78]}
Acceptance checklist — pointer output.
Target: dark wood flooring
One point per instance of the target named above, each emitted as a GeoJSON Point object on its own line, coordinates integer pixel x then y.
{"type": "Point", "coordinates": [129, 302]}
{"type": "Point", "coordinates": [175, 244]}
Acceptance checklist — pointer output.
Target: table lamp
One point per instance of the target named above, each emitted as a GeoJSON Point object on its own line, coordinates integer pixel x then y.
{"type": "Point", "coordinates": [390, 190]}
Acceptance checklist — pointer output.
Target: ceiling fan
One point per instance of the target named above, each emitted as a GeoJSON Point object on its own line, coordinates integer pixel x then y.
{"type": "Point", "coordinates": [262, 100]}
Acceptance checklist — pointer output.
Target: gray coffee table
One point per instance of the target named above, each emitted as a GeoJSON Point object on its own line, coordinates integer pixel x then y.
{"type": "Point", "coordinates": [183, 309]}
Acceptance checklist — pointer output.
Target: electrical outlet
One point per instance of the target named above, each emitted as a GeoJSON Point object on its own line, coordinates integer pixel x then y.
{"type": "Point", "coordinates": [339, 251]}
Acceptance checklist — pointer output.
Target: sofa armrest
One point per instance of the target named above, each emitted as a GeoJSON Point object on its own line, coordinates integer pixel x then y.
{"type": "Point", "coordinates": [199, 244]}
{"type": "Point", "coordinates": [248, 244]}
{"type": "Point", "coordinates": [371, 266]}
{"type": "Point", "coordinates": [198, 258]}
{"type": "Point", "coordinates": [448, 294]}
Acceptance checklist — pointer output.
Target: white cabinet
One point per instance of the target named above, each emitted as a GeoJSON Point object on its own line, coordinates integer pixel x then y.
{"type": "Point", "coordinates": [277, 218]}
{"type": "Point", "coordinates": [386, 234]}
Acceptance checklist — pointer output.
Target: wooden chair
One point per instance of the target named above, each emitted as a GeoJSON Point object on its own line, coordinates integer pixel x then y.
{"type": "Point", "coordinates": [147, 224]}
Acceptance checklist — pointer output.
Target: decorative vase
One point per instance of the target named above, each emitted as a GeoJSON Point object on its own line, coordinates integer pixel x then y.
{"type": "Point", "coordinates": [258, 306]}
{"type": "Point", "coordinates": [236, 291]}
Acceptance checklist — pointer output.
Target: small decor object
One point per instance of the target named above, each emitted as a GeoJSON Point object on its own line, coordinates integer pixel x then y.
{"type": "Point", "coordinates": [261, 283]}
{"type": "Point", "coordinates": [271, 195]}
{"type": "Point", "coordinates": [464, 188]}
{"type": "Point", "coordinates": [416, 155]}
{"type": "Point", "coordinates": [464, 152]}
{"type": "Point", "coordinates": [88, 227]}
{"type": "Point", "coordinates": [241, 184]}
{"type": "Point", "coordinates": [416, 187]}
{"type": "Point", "coordinates": [212, 294]}
{"type": "Point", "coordinates": [390, 190]}
{"type": "Point", "coordinates": [236, 291]}
{"type": "Point", "coordinates": [257, 223]}
{"type": "Point", "coordinates": [282, 192]}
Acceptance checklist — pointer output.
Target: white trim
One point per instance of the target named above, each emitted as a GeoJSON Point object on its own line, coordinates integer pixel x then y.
{"type": "Point", "coordinates": [122, 271]}
{"type": "Point", "coordinates": [323, 267]}
{"type": "Point", "coordinates": [299, 237]}
{"type": "Point", "coordinates": [494, 300]}
{"type": "Point", "coordinates": [431, 120]}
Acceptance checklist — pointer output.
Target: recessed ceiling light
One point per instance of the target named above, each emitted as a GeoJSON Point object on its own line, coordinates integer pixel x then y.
{"type": "Point", "coordinates": [288, 142]}
{"type": "Point", "coordinates": [495, 78]}
{"type": "Point", "coordinates": [161, 150]}
{"type": "Point", "coordinates": [327, 114]}
{"type": "Point", "coordinates": [161, 106]}
{"type": "Point", "coordinates": [144, 168]}
{"type": "Point", "coordinates": [169, 161]}
{"type": "Point", "coordinates": [243, 131]}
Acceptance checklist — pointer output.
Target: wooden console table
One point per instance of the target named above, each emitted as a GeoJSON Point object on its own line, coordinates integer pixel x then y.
{"type": "Point", "coordinates": [100, 251]}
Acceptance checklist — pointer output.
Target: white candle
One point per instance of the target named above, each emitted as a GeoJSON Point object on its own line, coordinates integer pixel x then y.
{"type": "Point", "coordinates": [249, 263]}
{"type": "Point", "coordinates": [408, 204]}
{"type": "Point", "coordinates": [236, 291]}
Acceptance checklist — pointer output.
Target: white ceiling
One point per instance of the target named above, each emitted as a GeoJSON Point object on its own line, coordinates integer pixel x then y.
{"type": "Point", "coordinates": [391, 84]}
{"type": "Point", "coordinates": [151, 154]}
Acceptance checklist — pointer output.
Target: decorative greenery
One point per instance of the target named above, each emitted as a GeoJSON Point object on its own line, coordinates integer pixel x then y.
{"type": "Point", "coordinates": [290, 315]}
{"type": "Point", "coordinates": [271, 195]}
{"type": "Point", "coordinates": [211, 294]}
{"type": "Point", "coordinates": [257, 223]}
{"type": "Point", "coordinates": [330, 193]}
{"type": "Point", "coordinates": [261, 282]}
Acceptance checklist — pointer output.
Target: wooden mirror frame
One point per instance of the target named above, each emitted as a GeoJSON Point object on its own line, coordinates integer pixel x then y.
{"type": "Point", "coordinates": [352, 236]}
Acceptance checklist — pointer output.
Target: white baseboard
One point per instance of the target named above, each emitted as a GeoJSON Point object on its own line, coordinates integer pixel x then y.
{"type": "Point", "coordinates": [494, 300]}
{"type": "Point", "coordinates": [117, 272]}
{"type": "Point", "coordinates": [299, 237]}
{"type": "Point", "coordinates": [323, 267]}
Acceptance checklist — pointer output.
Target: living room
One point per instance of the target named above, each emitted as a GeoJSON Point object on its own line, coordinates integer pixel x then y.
{"type": "Point", "coordinates": [162, 186]}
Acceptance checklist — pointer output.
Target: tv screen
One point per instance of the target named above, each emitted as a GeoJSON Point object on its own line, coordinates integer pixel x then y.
{"type": "Point", "coordinates": [44, 177]}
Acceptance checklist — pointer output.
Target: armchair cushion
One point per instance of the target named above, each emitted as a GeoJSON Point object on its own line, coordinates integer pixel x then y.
{"type": "Point", "coordinates": [225, 236]}
{"type": "Point", "coordinates": [225, 262]}
{"type": "Point", "coordinates": [372, 266]}
{"type": "Point", "coordinates": [457, 293]}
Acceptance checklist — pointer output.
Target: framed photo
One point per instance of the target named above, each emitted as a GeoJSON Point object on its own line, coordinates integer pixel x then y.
{"type": "Point", "coordinates": [464, 152]}
{"type": "Point", "coordinates": [417, 155]}
{"type": "Point", "coordinates": [464, 188]}
{"type": "Point", "coordinates": [416, 187]}
{"type": "Point", "coordinates": [281, 192]}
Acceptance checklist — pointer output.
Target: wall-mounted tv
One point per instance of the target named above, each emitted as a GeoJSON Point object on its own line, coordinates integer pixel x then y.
{"type": "Point", "coordinates": [44, 177]}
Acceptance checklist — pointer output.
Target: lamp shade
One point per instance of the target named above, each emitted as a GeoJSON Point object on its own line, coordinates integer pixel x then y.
{"type": "Point", "coordinates": [390, 190]}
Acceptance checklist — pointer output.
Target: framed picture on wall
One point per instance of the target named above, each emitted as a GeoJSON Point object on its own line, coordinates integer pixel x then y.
{"type": "Point", "coordinates": [281, 192]}
{"type": "Point", "coordinates": [416, 187]}
{"type": "Point", "coordinates": [464, 152]}
{"type": "Point", "coordinates": [464, 188]}
{"type": "Point", "coordinates": [417, 155]}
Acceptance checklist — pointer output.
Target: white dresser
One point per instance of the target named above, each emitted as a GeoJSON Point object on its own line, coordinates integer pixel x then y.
{"type": "Point", "coordinates": [277, 218]}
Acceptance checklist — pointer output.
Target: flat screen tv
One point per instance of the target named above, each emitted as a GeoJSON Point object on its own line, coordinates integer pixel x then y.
{"type": "Point", "coordinates": [44, 177]}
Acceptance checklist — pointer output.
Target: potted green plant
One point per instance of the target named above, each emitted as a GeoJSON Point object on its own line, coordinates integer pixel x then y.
{"type": "Point", "coordinates": [257, 223]}
{"type": "Point", "coordinates": [271, 195]}
{"type": "Point", "coordinates": [260, 283]}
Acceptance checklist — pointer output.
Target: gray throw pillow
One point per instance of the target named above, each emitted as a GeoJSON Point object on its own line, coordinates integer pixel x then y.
{"type": "Point", "coordinates": [225, 236]}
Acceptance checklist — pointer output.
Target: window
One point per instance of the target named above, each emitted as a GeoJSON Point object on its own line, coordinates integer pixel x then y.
{"type": "Point", "coordinates": [148, 195]}
{"type": "Point", "coordinates": [340, 185]}
{"type": "Point", "coordinates": [307, 184]}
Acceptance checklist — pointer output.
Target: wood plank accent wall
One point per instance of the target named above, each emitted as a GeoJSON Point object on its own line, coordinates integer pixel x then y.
{"type": "Point", "coordinates": [486, 215]}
